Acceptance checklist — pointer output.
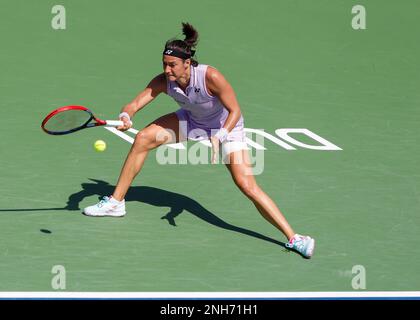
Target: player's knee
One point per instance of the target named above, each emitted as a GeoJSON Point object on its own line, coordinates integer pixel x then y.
{"type": "Point", "coordinates": [163, 136]}
{"type": "Point", "coordinates": [144, 139]}
{"type": "Point", "coordinates": [151, 137]}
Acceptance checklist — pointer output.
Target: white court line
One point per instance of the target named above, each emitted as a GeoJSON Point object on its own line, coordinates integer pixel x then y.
{"type": "Point", "coordinates": [210, 295]}
{"type": "Point", "coordinates": [133, 130]}
{"type": "Point", "coordinates": [323, 144]}
{"type": "Point", "coordinates": [120, 134]}
{"type": "Point", "coordinates": [171, 145]}
{"type": "Point", "coordinates": [176, 145]}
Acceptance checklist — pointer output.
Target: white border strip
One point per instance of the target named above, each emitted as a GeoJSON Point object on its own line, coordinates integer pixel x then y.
{"type": "Point", "coordinates": [211, 295]}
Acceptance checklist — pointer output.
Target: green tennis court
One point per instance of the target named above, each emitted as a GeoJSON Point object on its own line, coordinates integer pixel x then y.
{"type": "Point", "coordinates": [293, 64]}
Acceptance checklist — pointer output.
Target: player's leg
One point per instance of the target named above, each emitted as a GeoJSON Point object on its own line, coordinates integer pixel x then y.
{"type": "Point", "coordinates": [161, 131]}
{"type": "Point", "coordinates": [240, 168]}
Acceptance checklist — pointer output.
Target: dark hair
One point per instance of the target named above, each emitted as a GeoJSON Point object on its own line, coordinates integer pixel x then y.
{"type": "Point", "coordinates": [186, 45]}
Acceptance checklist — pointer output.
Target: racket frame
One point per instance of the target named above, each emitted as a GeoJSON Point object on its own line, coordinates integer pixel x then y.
{"type": "Point", "coordinates": [88, 124]}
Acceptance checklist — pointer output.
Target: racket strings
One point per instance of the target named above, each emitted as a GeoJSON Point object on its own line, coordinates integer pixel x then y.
{"type": "Point", "coordinates": [68, 120]}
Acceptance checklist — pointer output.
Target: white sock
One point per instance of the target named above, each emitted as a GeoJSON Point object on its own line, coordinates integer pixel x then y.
{"type": "Point", "coordinates": [295, 236]}
{"type": "Point", "coordinates": [113, 200]}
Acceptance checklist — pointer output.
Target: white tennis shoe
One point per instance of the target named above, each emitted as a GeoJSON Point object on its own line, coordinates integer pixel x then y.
{"type": "Point", "coordinates": [303, 244]}
{"type": "Point", "coordinates": [107, 207]}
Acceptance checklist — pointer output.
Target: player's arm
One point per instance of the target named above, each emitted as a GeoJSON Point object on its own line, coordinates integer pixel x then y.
{"type": "Point", "coordinates": [155, 87]}
{"type": "Point", "coordinates": [218, 86]}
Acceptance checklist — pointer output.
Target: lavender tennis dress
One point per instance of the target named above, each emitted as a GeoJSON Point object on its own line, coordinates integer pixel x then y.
{"type": "Point", "coordinates": [201, 115]}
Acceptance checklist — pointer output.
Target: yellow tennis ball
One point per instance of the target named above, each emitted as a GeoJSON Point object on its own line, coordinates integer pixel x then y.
{"type": "Point", "coordinates": [100, 145]}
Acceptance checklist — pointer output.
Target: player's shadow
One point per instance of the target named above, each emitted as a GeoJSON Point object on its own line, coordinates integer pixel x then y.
{"type": "Point", "coordinates": [176, 202]}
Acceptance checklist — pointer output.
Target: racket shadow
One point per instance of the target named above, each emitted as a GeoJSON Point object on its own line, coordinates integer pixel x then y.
{"type": "Point", "coordinates": [177, 203]}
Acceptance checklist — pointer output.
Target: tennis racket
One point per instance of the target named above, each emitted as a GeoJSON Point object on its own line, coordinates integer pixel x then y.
{"type": "Point", "coordinates": [69, 119]}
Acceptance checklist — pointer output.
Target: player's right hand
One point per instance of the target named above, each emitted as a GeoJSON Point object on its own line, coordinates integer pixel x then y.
{"type": "Point", "coordinates": [127, 124]}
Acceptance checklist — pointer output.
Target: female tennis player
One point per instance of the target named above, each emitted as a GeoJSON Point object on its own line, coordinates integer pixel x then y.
{"type": "Point", "coordinates": [208, 110]}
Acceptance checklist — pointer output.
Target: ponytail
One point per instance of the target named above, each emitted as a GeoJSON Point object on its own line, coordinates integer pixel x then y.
{"type": "Point", "coordinates": [184, 49]}
{"type": "Point", "coordinates": [191, 35]}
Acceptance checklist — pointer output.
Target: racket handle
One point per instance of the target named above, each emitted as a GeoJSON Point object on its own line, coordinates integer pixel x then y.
{"type": "Point", "coordinates": [114, 123]}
